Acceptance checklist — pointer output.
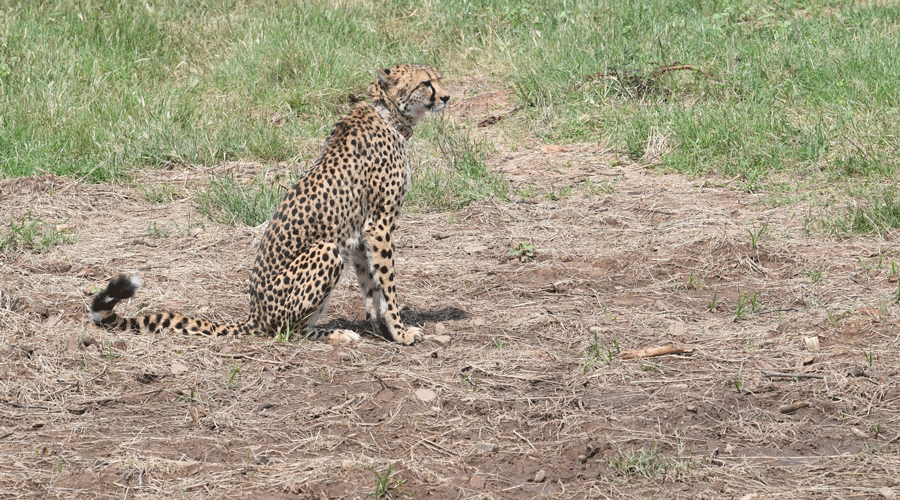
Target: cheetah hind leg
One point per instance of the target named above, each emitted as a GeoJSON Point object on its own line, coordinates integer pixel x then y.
{"type": "Point", "coordinates": [300, 277]}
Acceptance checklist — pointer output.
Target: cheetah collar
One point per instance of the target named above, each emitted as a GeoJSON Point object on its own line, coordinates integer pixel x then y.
{"type": "Point", "coordinates": [391, 119]}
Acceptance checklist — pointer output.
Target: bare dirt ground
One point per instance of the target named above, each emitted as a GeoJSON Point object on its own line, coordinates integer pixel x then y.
{"type": "Point", "coordinates": [521, 389]}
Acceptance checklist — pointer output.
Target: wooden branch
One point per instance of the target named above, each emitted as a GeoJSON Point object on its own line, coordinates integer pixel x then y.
{"type": "Point", "coordinates": [791, 408]}
{"type": "Point", "coordinates": [679, 67]}
{"type": "Point", "coordinates": [790, 375]}
{"type": "Point", "coordinates": [639, 74]}
{"type": "Point", "coordinates": [656, 351]}
{"type": "Point", "coordinates": [120, 397]}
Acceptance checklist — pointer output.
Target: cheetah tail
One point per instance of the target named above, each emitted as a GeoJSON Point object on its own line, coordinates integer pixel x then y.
{"type": "Point", "coordinates": [121, 288]}
{"type": "Point", "coordinates": [124, 287]}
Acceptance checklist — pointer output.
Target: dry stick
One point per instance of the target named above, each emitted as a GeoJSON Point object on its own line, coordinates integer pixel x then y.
{"type": "Point", "coordinates": [657, 72]}
{"type": "Point", "coordinates": [523, 438]}
{"type": "Point", "coordinates": [656, 351]}
{"type": "Point", "coordinates": [677, 67]}
{"type": "Point", "coordinates": [790, 375]}
{"type": "Point", "coordinates": [119, 398]}
{"type": "Point", "coordinates": [434, 446]}
{"type": "Point", "coordinates": [791, 408]}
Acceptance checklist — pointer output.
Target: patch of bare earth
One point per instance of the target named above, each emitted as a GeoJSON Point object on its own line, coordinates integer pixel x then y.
{"type": "Point", "coordinates": [520, 391]}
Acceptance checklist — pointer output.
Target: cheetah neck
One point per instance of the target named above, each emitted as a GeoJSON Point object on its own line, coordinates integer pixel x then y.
{"type": "Point", "coordinates": [391, 119]}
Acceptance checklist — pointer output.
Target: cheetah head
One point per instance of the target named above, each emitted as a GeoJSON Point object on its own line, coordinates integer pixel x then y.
{"type": "Point", "coordinates": [412, 89]}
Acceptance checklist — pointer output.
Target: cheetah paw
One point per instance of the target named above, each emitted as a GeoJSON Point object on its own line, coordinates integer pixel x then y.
{"type": "Point", "coordinates": [412, 335]}
{"type": "Point", "coordinates": [341, 337]}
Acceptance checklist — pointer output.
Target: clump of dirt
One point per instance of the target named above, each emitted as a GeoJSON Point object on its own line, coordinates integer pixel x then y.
{"type": "Point", "coordinates": [520, 389]}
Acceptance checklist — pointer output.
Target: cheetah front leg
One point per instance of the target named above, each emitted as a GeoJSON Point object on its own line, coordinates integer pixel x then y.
{"type": "Point", "coordinates": [374, 264]}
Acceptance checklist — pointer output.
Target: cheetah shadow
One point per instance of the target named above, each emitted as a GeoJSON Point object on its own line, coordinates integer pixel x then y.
{"type": "Point", "coordinates": [408, 316]}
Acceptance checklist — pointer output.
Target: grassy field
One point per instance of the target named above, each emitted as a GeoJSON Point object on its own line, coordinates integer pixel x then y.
{"type": "Point", "coordinates": [779, 95]}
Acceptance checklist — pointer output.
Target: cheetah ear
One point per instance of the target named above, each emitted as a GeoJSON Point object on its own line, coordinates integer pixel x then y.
{"type": "Point", "coordinates": [384, 77]}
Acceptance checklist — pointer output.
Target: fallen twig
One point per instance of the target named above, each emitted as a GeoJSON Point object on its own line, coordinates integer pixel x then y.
{"type": "Point", "coordinates": [639, 75]}
{"type": "Point", "coordinates": [119, 398]}
{"type": "Point", "coordinates": [790, 375]}
{"type": "Point", "coordinates": [679, 67]}
{"type": "Point", "coordinates": [791, 408]}
{"type": "Point", "coordinates": [656, 351]}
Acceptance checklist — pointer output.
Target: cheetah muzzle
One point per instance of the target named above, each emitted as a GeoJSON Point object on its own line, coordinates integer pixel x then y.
{"type": "Point", "coordinates": [343, 211]}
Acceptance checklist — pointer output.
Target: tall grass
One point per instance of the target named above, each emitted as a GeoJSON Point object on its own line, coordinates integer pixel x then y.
{"type": "Point", "coordinates": [225, 201]}
{"type": "Point", "coordinates": [100, 87]}
{"type": "Point", "coordinates": [452, 173]}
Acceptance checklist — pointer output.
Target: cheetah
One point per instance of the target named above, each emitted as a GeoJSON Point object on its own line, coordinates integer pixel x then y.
{"type": "Point", "coordinates": [344, 210]}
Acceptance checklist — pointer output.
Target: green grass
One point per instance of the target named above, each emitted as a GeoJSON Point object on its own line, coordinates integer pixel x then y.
{"type": "Point", "coordinates": [800, 90]}
{"type": "Point", "coordinates": [32, 234]}
{"type": "Point", "coordinates": [225, 201]}
{"type": "Point", "coordinates": [646, 463]}
{"type": "Point", "coordinates": [452, 172]}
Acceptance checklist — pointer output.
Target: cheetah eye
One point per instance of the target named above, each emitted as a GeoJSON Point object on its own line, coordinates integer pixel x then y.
{"type": "Point", "coordinates": [427, 84]}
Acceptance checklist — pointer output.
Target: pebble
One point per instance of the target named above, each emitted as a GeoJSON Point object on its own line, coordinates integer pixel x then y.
{"type": "Point", "coordinates": [486, 447]}
{"type": "Point", "coordinates": [426, 395]}
{"type": "Point", "coordinates": [441, 340]}
{"type": "Point", "coordinates": [178, 368]}
{"type": "Point", "coordinates": [540, 476]}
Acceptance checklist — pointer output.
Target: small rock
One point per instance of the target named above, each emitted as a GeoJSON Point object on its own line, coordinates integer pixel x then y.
{"type": "Point", "coordinates": [478, 322]}
{"type": "Point", "coordinates": [441, 340]}
{"type": "Point", "coordinates": [812, 343]}
{"type": "Point", "coordinates": [887, 493]}
{"type": "Point", "coordinates": [385, 395]}
{"type": "Point", "coordinates": [178, 368]}
{"type": "Point", "coordinates": [88, 341]}
{"type": "Point", "coordinates": [486, 447]}
{"type": "Point", "coordinates": [426, 395]}
{"type": "Point", "coordinates": [675, 388]}
{"type": "Point", "coordinates": [475, 248]}
{"type": "Point", "coordinates": [342, 355]}
{"type": "Point", "coordinates": [540, 476]}
{"type": "Point", "coordinates": [440, 329]}
{"type": "Point", "coordinates": [594, 329]}
{"type": "Point", "coordinates": [41, 311]}
{"type": "Point", "coordinates": [476, 482]}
